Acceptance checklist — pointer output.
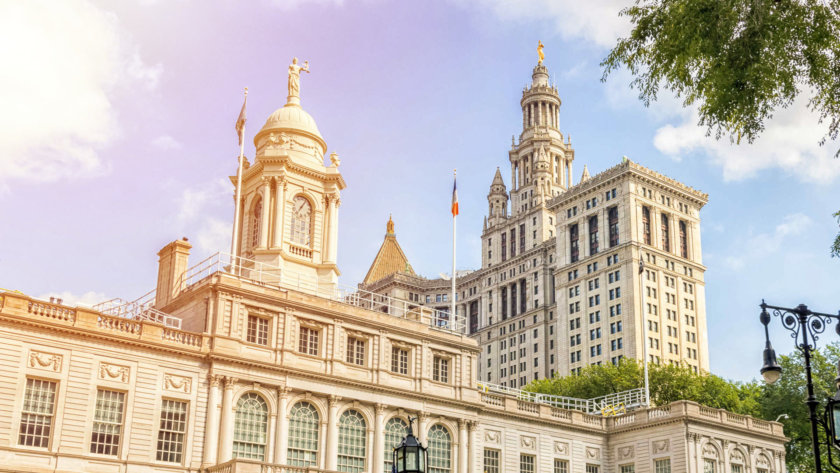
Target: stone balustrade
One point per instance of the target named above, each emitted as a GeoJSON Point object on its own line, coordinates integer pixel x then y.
{"type": "Point", "coordinates": [254, 466]}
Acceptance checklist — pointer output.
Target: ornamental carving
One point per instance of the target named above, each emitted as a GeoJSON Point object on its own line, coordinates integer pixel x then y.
{"type": "Point", "coordinates": [492, 436]}
{"type": "Point", "coordinates": [660, 446]}
{"type": "Point", "coordinates": [593, 453]}
{"type": "Point", "coordinates": [181, 384]}
{"type": "Point", "coordinates": [528, 442]}
{"type": "Point", "coordinates": [762, 461]}
{"type": "Point", "coordinates": [626, 453]}
{"type": "Point", "coordinates": [41, 360]}
{"type": "Point", "coordinates": [110, 372]}
{"type": "Point", "coordinates": [710, 451]}
{"type": "Point", "coordinates": [561, 448]}
{"type": "Point", "coordinates": [737, 456]}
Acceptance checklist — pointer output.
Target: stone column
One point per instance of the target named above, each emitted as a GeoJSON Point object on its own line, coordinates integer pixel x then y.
{"type": "Point", "coordinates": [462, 446]}
{"type": "Point", "coordinates": [335, 202]}
{"type": "Point", "coordinates": [266, 202]}
{"type": "Point", "coordinates": [332, 434]}
{"type": "Point", "coordinates": [422, 427]}
{"type": "Point", "coordinates": [379, 440]}
{"type": "Point", "coordinates": [226, 441]}
{"type": "Point", "coordinates": [279, 217]}
{"type": "Point", "coordinates": [211, 429]}
{"type": "Point", "coordinates": [272, 437]}
{"type": "Point", "coordinates": [472, 425]}
{"type": "Point", "coordinates": [282, 439]}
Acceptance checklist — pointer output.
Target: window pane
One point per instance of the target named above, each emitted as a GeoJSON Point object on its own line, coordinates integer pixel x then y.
{"type": "Point", "coordinates": [250, 427]}
{"type": "Point", "coordinates": [440, 450]}
{"type": "Point", "coordinates": [107, 422]}
{"type": "Point", "coordinates": [303, 435]}
{"type": "Point", "coordinates": [491, 461]}
{"type": "Point", "coordinates": [395, 430]}
{"type": "Point", "coordinates": [36, 415]}
{"type": "Point", "coordinates": [351, 442]}
{"type": "Point", "coordinates": [173, 426]}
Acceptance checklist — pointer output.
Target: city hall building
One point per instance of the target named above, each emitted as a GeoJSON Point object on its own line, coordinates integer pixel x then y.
{"type": "Point", "coordinates": [263, 362]}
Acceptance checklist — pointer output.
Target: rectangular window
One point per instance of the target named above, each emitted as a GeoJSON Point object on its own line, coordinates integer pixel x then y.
{"type": "Point", "coordinates": [683, 240]}
{"type": "Point", "coordinates": [355, 351]}
{"type": "Point", "coordinates": [561, 466]}
{"type": "Point", "coordinates": [173, 428]}
{"type": "Point", "coordinates": [733, 468]}
{"type": "Point", "coordinates": [593, 234]}
{"type": "Point", "coordinates": [491, 461]}
{"type": "Point", "coordinates": [522, 238]}
{"type": "Point", "coordinates": [646, 225]}
{"type": "Point", "coordinates": [107, 422]}
{"type": "Point", "coordinates": [37, 414]}
{"type": "Point", "coordinates": [309, 341]}
{"type": "Point", "coordinates": [504, 246]}
{"type": "Point", "coordinates": [664, 466]}
{"type": "Point", "coordinates": [257, 330]}
{"type": "Point", "coordinates": [512, 242]}
{"type": "Point", "coordinates": [709, 466]}
{"type": "Point", "coordinates": [593, 468]}
{"type": "Point", "coordinates": [527, 463]}
{"type": "Point", "coordinates": [627, 469]}
{"type": "Point", "coordinates": [573, 243]}
{"type": "Point", "coordinates": [666, 240]}
{"type": "Point", "coordinates": [399, 360]}
{"type": "Point", "coordinates": [504, 303]}
{"type": "Point", "coordinates": [441, 369]}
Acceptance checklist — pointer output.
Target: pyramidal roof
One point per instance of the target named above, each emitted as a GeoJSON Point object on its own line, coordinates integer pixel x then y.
{"type": "Point", "coordinates": [497, 179]}
{"type": "Point", "coordinates": [390, 259]}
{"type": "Point", "coordinates": [585, 176]}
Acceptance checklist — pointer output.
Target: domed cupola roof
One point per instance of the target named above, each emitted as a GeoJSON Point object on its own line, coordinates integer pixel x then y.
{"type": "Point", "coordinates": [294, 120]}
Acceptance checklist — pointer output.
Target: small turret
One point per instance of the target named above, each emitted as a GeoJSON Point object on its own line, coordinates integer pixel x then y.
{"type": "Point", "coordinates": [585, 177]}
{"type": "Point", "coordinates": [497, 199]}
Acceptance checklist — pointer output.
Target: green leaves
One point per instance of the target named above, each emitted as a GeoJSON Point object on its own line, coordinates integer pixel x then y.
{"type": "Point", "coordinates": [738, 60]}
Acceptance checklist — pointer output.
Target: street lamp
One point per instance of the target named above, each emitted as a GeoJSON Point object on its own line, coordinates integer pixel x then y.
{"type": "Point", "coordinates": [410, 455]}
{"type": "Point", "coordinates": [802, 321]}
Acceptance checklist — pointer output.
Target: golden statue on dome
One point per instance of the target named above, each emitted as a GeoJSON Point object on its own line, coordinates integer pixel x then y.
{"type": "Point", "coordinates": [539, 51]}
{"type": "Point", "coordinates": [294, 79]}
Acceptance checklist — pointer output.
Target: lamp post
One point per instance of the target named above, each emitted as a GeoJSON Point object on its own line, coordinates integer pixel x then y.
{"type": "Point", "coordinates": [410, 455]}
{"type": "Point", "coordinates": [809, 324]}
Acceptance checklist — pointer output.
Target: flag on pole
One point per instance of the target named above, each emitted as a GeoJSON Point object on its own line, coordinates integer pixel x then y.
{"type": "Point", "coordinates": [454, 197]}
{"type": "Point", "coordinates": [240, 122]}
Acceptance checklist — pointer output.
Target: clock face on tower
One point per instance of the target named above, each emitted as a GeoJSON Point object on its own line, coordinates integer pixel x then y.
{"type": "Point", "coordinates": [301, 220]}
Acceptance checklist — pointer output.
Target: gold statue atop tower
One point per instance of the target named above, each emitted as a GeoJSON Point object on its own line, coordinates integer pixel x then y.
{"type": "Point", "coordinates": [294, 80]}
{"type": "Point", "coordinates": [540, 51]}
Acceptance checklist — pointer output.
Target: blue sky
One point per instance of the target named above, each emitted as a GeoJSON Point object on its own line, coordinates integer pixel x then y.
{"type": "Point", "coordinates": [118, 138]}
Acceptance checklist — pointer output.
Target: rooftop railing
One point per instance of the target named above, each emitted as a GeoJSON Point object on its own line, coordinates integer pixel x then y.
{"type": "Point", "coordinates": [141, 308]}
{"type": "Point", "coordinates": [610, 403]}
{"type": "Point", "coordinates": [274, 276]}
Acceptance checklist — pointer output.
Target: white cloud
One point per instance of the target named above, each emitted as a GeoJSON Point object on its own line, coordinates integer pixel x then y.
{"type": "Point", "coordinates": [62, 61]}
{"type": "Point", "coordinates": [597, 22]}
{"type": "Point", "coordinates": [166, 142]}
{"type": "Point", "coordinates": [761, 245]}
{"type": "Point", "coordinates": [197, 207]}
{"type": "Point", "coordinates": [789, 142]}
{"type": "Point", "coordinates": [88, 299]}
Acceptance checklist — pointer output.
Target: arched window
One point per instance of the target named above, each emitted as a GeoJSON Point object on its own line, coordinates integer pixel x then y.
{"type": "Point", "coordinates": [256, 219]}
{"type": "Point", "coordinates": [646, 225]}
{"type": "Point", "coordinates": [301, 221]}
{"type": "Point", "coordinates": [352, 433]}
{"type": "Point", "coordinates": [250, 427]}
{"type": "Point", "coordinates": [440, 450]}
{"type": "Point", "coordinates": [666, 234]}
{"type": "Point", "coordinates": [303, 435]}
{"type": "Point", "coordinates": [395, 430]}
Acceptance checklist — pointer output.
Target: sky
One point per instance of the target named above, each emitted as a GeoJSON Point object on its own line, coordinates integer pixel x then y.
{"type": "Point", "coordinates": [118, 137]}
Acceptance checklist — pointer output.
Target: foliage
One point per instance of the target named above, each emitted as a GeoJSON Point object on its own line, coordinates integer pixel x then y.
{"type": "Point", "coordinates": [668, 383]}
{"type": "Point", "coordinates": [835, 248]}
{"type": "Point", "coordinates": [739, 60]}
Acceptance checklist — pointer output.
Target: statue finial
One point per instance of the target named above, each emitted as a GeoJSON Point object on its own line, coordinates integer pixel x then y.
{"type": "Point", "coordinates": [294, 81]}
{"type": "Point", "coordinates": [389, 227]}
{"type": "Point", "coordinates": [540, 51]}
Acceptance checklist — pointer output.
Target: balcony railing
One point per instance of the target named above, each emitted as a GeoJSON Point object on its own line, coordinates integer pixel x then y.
{"type": "Point", "coordinates": [274, 276]}
{"type": "Point", "coordinates": [629, 400]}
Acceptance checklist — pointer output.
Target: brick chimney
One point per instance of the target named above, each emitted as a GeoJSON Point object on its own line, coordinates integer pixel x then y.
{"type": "Point", "coordinates": [172, 262]}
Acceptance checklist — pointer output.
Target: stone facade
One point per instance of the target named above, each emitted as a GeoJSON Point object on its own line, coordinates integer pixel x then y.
{"type": "Point", "coordinates": [257, 362]}
{"type": "Point", "coordinates": [559, 288]}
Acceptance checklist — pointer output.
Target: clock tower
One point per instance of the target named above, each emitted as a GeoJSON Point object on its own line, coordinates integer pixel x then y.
{"type": "Point", "coordinates": [290, 199]}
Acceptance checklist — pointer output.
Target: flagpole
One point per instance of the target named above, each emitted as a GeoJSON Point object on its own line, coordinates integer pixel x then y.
{"type": "Point", "coordinates": [454, 219]}
{"type": "Point", "coordinates": [235, 240]}
{"type": "Point", "coordinates": [644, 330]}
